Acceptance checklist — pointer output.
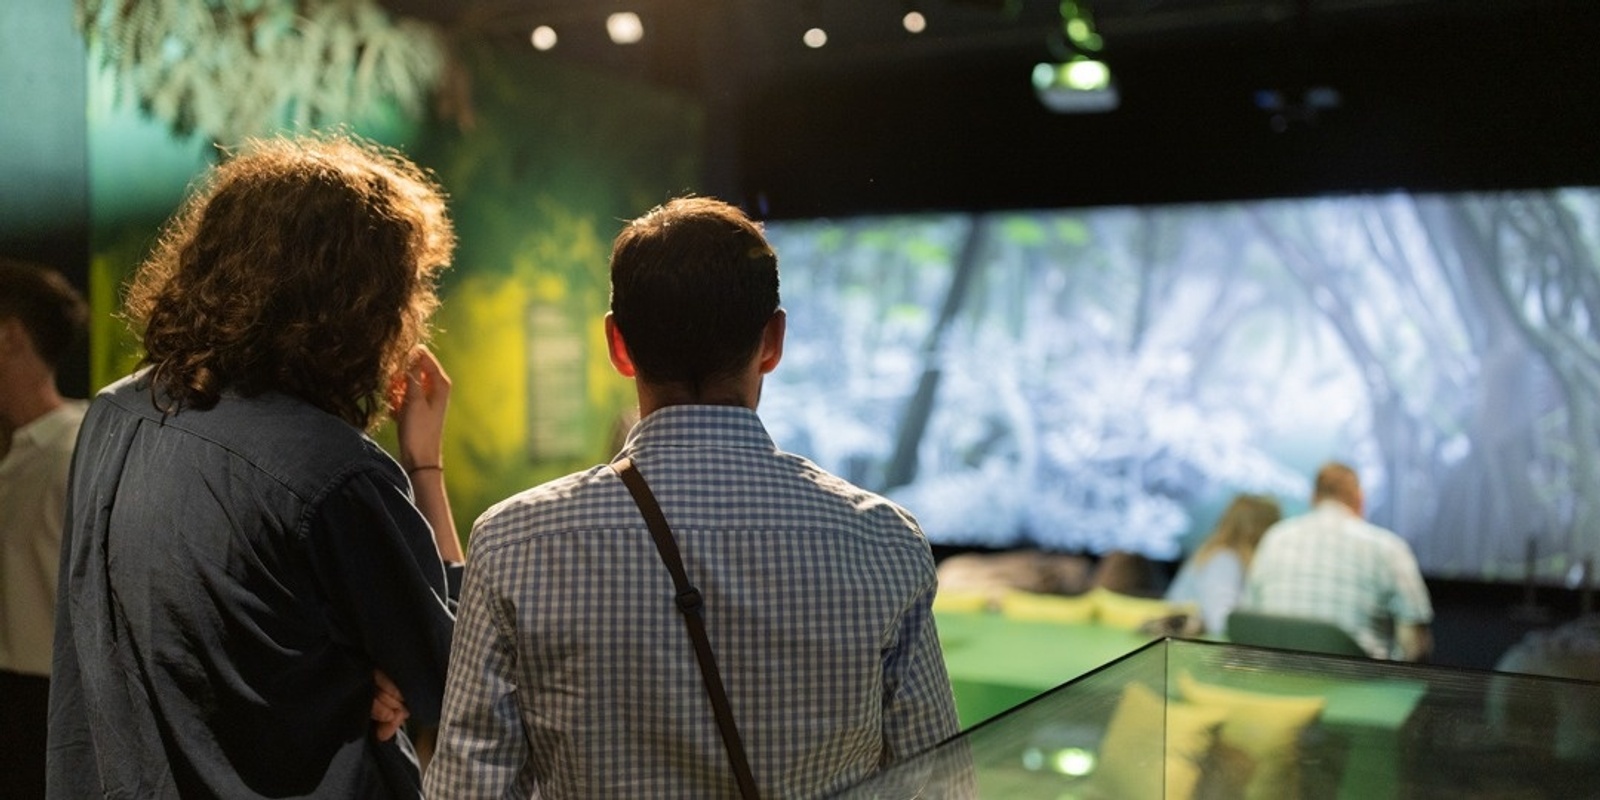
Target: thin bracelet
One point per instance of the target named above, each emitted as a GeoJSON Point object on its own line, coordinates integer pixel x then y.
{"type": "Point", "coordinates": [415, 470]}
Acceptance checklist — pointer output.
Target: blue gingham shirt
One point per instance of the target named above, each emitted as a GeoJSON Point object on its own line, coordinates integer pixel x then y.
{"type": "Point", "coordinates": [1332, 565]}
{"type": "Point", "coordinates": [572, 674]}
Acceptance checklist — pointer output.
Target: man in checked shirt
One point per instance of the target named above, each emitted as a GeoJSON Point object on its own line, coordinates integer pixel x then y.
{"type": "Point", "coordinates": [571, 674]}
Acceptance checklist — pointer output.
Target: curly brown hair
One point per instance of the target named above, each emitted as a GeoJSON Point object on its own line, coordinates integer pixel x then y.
{"type": "Point", "coordinates": [304, 265]}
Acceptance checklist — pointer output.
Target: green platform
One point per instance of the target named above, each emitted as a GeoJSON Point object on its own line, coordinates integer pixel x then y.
{"type": "Point", "coordinates": [997, 664]}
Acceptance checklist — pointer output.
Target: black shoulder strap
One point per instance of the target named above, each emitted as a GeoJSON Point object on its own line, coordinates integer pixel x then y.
{"type": "Point", "coordinates": [693, 608]}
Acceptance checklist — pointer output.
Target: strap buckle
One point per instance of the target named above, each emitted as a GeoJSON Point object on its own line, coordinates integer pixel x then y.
{"type": "Point", "coordinates": [690, 601]}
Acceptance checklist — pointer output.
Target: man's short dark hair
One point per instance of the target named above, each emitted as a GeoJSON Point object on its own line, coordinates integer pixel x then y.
{"type": "Point", "coordinates": [693, 284]}
{"type": "Point", "coordinates": [304, 265]}
{"type": "Point", "coordinates": [50, 309]}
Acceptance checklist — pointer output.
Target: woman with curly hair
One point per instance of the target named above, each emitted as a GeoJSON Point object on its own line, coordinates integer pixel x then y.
{"type": "Point", "coordinates": [255, 595]}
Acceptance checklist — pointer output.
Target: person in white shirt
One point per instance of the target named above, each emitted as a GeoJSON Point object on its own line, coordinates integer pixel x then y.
{"type": "Point", "coordinates": [42, 317]}
{"type": "Point", "coordinates": [1330, 564]}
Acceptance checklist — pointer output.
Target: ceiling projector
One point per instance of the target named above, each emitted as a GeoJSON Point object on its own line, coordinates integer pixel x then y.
{"type": "Point", "coordinates": [1079, 86]}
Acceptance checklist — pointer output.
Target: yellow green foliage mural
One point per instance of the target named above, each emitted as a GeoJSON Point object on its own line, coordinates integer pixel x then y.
{"type": "Point", "coordinates": [554, 160]}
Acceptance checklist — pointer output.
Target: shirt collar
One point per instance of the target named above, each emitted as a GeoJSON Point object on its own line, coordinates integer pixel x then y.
{"type": "Point", "coordinates": [701, 426]}
{"type": "Point", "coordinates": [1334, 507]}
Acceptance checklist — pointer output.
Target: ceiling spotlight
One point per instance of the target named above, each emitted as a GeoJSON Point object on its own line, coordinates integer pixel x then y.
{"type": "Point", "coordinates": [815, 38]}
{"type": "Point", "coordinates": [1079, 82]}
{"type": "Point", "coordinates": [1081, 33]}
{"type": "Point", "coordinates": [543, 38]}
{"type": "Point", "coordinates": [1080, 86]}
{"type": "Point", "coordinates": [914, 22]}
{"type": "Point", "coordinates": [624, 27]}
{"type": "Point", "coordinates": [1077, 22]}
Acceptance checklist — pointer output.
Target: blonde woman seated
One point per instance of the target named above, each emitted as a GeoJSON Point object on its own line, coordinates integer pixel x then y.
{"type": "Point", "coordinates": [1213, 578]}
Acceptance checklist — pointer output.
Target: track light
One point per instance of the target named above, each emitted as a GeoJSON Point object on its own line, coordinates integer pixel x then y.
{"type": "Point", "coordinates": [1078, 82]}
{"type": "Point", "coordinates": [625, 27]}
{"type": "Point", "coordinates": [1080, 86]}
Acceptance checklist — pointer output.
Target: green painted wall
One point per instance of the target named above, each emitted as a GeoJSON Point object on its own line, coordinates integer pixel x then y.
{"type": "Point", "coordinates": [558, 157]}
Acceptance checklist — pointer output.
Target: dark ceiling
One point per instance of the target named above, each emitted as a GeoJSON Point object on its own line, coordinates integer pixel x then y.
{"type": "Point", "coordinates": [693, 43]}
{"type": "Point", "coordinates": [1434, 94]}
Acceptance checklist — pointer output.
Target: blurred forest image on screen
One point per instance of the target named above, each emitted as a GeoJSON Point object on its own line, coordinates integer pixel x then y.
{"type": "Point", "coordinates": [1107, 378]}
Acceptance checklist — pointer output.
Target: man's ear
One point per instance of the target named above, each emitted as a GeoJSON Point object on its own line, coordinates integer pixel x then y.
{"type": "Point", "coordinates": [618, 349]}
{"type": "Point", "coordinates": [772, 341]}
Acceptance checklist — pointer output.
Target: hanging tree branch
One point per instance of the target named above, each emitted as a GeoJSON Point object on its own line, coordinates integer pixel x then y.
{"type": "Point", "coordinates": [228, 69]}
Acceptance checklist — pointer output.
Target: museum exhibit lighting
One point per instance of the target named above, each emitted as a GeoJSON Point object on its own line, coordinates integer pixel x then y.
{"type": "Point", "coordinates": [1077, 82]}
{"type": "Point", "coordinates": [625, 27]}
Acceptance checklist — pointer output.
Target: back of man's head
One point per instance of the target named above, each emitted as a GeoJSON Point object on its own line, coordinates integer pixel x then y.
{"type": "Point", "coordinates": [1336, 481]}
{"type": "Point", "coordinates": [52, 312]}
{"type": "Point", "coordinates": [693, 284]}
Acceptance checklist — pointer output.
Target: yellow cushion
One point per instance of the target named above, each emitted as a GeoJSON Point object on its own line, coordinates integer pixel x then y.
{"type": "Point", "coordinates": [1046, 607]}
{"type": "Point", "coordinates": [1127, 611]}
{"type": "Point", "coordinates": [1147, 730]}
{"type": "Point", "coordinates": [1264, 728]}
{"type": "Point", "coordinates": [962, 600]}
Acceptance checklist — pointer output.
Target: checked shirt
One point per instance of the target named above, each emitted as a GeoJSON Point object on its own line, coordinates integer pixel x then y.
{"type": "Point", "coordinates": [571, 672]}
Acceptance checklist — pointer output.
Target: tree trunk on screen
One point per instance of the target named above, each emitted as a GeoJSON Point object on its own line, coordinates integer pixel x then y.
{"type": "Point", "coordinates": [1337, 295]}
{"type": "Point", "coordinates": [902, 468]}
{"type": "Point", "coordinates": [1489, 505]}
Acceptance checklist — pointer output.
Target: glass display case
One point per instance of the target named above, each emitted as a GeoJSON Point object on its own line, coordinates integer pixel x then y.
{"type": "Point", "coordinates": [1180, 718]}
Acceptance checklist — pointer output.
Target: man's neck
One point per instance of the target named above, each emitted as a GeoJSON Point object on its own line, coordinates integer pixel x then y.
{"type": "Point", "coordinates": [27, 403]}
{"type": "Point", "coordinates": [654, 396]}
{"type": "Point", "coordinates": [24, 404]}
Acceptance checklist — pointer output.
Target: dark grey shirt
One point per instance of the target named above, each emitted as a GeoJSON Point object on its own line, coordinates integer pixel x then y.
{"type": "Point", "coordinates": [230, 578]}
